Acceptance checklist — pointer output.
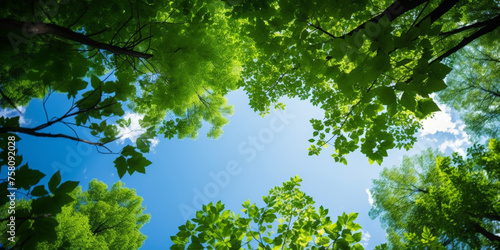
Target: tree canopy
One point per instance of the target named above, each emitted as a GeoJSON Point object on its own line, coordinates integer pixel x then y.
{"type": "Point", "coordinates": [32, 220]}
{"type": "Point", "coordinates": [288, 220]}
{"type": "Point", "coordinates": [370, 65]}
{"type": "Point", "coordinates": [373, 67]}
{"type": "Point", "coordinates": [170, 61]}
{"type": "Point", "coordinates": [98, 218]}
{"type": "Point", "coordinates": [452, 198]}
{"type": "Point", "coordinates": [473, 88]}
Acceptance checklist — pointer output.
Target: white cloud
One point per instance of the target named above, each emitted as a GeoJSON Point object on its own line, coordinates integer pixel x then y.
{"type": "Point", "coordinates": [153, 144]}
{"type": "Point", "coordinates": [370, 198]}
{"type": "Point", "coordinates": [440, 122]}
{"type": "Point", "coordinates": [459, 144]}
{"type": "Point", "coordinates": [452, 131]}
{"type": "Point", "coordinates": [135, 130]}
{"type": "Point", "coordinates": [365, 239]}
{"type": "Point", "coordinates": [8, 112]}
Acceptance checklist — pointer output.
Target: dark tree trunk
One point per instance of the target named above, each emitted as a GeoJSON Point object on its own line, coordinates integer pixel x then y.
{"type": "Point", "coordinates": [56, 30]}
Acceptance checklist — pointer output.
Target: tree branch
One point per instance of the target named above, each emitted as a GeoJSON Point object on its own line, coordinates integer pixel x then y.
{"type": "Point", "coordinates": [416, 19]}
{"type": "Point", "coordinates": [79, 17]}
{"type": "Point", "coordinates": [40, 134]}
{"type": "Point", "coordinates": [52, 29]}
{"type": "Point", "coordinates": [490, 236]}
{"type": "Point", "coordinates": [444, 7]}
{"type": "Point", "coordinates": [322, 30]}
{"type": "Point", "coordinates": [472, 26]}
{"type": "Point", "coordinates": [351, 110]}
{"type": "Point", "coordinates": [492, 25]}
{"type": "Point", "coordinates": [9, 101]}
{"type": "Point", "coordinates": [493, 93]}
{"type": "Point", "coordinates": [392, 12]}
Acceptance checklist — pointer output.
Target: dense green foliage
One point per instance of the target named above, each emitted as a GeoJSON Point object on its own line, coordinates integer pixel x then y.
{"type": "Point", "coordinates": [170, 61]}
{"type": "Point", "coordinates": [101, 219]}
{"type": "Point", "coordinates": [58, 214]}
{"type": "Point", "coordinates": [94, 219]}
{"type": "Point", "coordinates": [287, 221]}
{"type": "Point", "coordinates": [370, 65]}
{"type": "Point", "coordinates": [33, 220]}
{"type": "Point", "coordinates": [450, 200]}
{"type": "Point", "coordinates": [474, 88]}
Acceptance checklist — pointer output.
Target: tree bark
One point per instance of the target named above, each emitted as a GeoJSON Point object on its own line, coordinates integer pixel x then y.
{"type": "Point", "coordinates": [472, 26]}
{"type": "Point", "coordinates": [490, 236]}
{"type": "Point", "coordinates": [489, 27]}
{"type": "Point", "coordinates": [392, 12]}
{"type": "Point", "coordinates": [444, 7]}
{"type": "Point", "coordinates": [493, 93]}
{"type": "Point", "coordinates": [33, 132]}
{"type": "Point", "coordinates": [56, 30]}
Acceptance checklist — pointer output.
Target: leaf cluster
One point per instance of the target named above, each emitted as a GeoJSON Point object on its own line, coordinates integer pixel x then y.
{"type": "Point", "coordinates": [35, 219]}
{"type": "Point", "coordinates": [287, 221]}
{"type": "Point", "coordinates": [371, 66]}
{"type": "Point", "coordinates": [433, 199]}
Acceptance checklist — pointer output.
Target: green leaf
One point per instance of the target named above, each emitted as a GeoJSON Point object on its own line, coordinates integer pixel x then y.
{"type": "Point", "coordinates": [358, 247]}
{"type": "Point", "coordinates": [27, 177]}
{"type": "Point", "coordinates": [138, 163]}
{"type": "Point", "coordinates": [81, 118]}
{"type": "Point", "coordinates": [381, 62]}
{"type": "Point", "coordinates": [345, 83]}
{"type": "Point", "coordinates": [108, 87]}
{"type": "Point", "coordinates": [45, 228]}
{"type": "Point", "coordinates": [66, 187]}
{"type": "Point", "coordinates": [322, 241]}
{"type": "Point", "coordinates": [95, 82]}
{"type": "Point", "coordinates": [339, 50]}
{"type": "Point", "coordinates": [439, 70]}
{"type": "Point", "coordinates": [352, 217]}
{"type": "Point", "coordinates": [356, 227]}
{"type": "Point", "coordinates": [427, 106]}
{"type": "Point", "coordinates": [39, 191]}
{"type": "Point", "coordinates": [3, 193]}
{"type": "Point", "coordinates": [12, 122]}
{"type": "Point", "coordinates": [408, 100]}
{"type": "Point", "coordinates": [54, 181]}
{"type": "Point", "coordinates": [225, 214]}
{"type": "Point", "coordinates": [425, 26]}
{"type": "Point", "coordinates": [142, 145]}
{"type": "Point", "coordinates": [341, 244]}
{"type": "Point", "coordinates": [434, 84]}
{"type": "Point", "coordinates": [386, 95]}
{"type": "Point", "coordinates": [89, 99]}
{"type": "Point", "coordinates": [128, 150]}
{"type": "Point", "coordinates": [267, 240]}
{"type": "Point", "coordinates": [62, 199]}
{"type": "Point", "coordinates": [45, 204]}
{"type": "Point", "coordinates": [74, 86]}
{"type": "Point", "coordinates": [386, 43]}
{"type": "Point", "coordinates": [357, 237]}
{"type": "Point", "coordinates": [121, 166]}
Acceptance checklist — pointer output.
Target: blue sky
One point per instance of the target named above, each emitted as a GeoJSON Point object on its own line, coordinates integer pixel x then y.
{"type": "Point", "coordinates": [253, 155]}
